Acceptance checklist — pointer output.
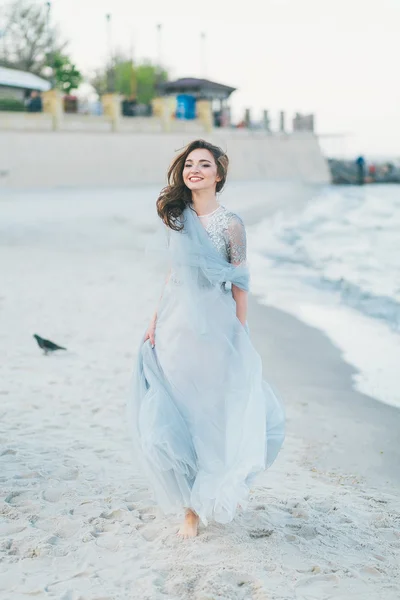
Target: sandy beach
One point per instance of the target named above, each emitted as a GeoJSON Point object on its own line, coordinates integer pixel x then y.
{"type": "Point", "coordinates": [77, 519]}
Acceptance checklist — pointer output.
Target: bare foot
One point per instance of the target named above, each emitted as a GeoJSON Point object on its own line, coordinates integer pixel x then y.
{"type": "Point", "coordinates": [189, 526]}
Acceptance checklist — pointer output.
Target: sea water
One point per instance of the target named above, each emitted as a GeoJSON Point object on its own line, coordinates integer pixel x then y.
{"type": "Point", "coordinates": [335, 264]}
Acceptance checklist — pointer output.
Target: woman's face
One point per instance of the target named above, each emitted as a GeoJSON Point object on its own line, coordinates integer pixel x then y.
{"type": "Point", "coordinates": [200, 170]}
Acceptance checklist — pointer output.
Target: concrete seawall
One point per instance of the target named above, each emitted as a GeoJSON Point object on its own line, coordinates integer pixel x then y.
{"type": "Point", "coordinates": [40, 159]}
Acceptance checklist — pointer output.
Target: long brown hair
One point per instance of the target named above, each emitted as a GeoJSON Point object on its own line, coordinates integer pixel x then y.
{"type": "Point", "coordinates": [176, 196]}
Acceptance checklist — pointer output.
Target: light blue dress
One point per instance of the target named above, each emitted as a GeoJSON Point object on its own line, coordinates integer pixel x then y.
{"type": "Point", "coordinates": [204, 421]}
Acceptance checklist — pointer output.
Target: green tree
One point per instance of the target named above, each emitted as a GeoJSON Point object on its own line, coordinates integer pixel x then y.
{"type": "Point", "coordinates": [66, 75]}
{"type": "Point", "coordinates": [125, 82]}
{"type": "Point", "coordinates": [130, 80]}
{"type": "Point", "coordinates": [148, 76]}
{"type": "Point", "coordinates": [27, 37]}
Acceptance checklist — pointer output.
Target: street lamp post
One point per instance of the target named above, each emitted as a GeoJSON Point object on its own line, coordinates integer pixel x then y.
{"type": "Point", "coordinates": [159, 57]}
{"type": "Point", "coordinates": [203, 54]}
{"type": "Point", "coordinates": [133, 86]}
{"type": "Point", "coordinates": [50, 45]}
{"type": "Point", "coordinates": [110, 70]}
{"type": "Point", "coordinates": [159, 33]}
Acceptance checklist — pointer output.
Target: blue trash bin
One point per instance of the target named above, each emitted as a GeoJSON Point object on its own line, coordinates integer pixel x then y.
{"type": "Point", "coordinates": [185, 106]}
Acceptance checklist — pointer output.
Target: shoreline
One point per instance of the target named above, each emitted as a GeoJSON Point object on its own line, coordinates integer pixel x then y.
{"type": "Point", "coordinates": [359, 432]}
{"type": "Point", "coordinates": [313, 265]}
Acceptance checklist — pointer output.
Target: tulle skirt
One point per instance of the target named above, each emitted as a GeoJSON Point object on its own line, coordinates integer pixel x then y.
{"type": "Point", "coordinates": [204, 421]}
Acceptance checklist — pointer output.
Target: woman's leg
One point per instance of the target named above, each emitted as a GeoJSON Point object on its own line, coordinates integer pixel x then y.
{"type": "Point", "coordinates": [189, 527]}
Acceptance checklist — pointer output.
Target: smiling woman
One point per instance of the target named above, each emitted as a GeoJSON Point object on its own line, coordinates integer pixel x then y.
{"type": "Point", "coordinates": [205, 423]}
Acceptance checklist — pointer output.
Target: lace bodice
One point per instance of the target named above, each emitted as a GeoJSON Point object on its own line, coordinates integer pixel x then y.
{"type": "Point", "coordinates": [227, 232]}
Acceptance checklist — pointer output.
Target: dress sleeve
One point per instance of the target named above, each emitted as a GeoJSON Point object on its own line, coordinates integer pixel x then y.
{"type": "Point", "coordinates": [237, 241]}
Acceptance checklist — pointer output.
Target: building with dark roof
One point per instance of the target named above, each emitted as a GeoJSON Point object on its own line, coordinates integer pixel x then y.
{"type": "Point", "coordinates": [189, 90]}
{"type": "Point", "coordinates": [199, 88]}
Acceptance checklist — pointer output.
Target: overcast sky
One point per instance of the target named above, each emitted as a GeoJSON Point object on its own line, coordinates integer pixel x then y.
{"type": "Point", "coordinates": [339, 59]}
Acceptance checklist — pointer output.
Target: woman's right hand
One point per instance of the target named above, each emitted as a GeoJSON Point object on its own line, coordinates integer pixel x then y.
{"type": "Point", "coordinates": [151, 332]}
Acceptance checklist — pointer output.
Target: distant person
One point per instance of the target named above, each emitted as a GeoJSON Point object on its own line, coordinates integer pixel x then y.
{"type": "Point", "coordinates": [389, 172]}
{"type": "Point", "coordinates": [372, 172]}
{"type": "Point", "coordinates": [205, 423]}
{"type": "Point", "coordinates": [360, 162]}
{"type": "Point", "coordinates": [35, 104]}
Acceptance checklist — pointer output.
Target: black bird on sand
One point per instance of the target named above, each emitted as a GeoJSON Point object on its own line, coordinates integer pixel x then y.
{"type": "Point", "coordinates": [46, 345]}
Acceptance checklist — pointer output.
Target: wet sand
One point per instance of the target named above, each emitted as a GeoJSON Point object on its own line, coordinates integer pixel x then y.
{"type": "Point", "coordinates": [355, 433]}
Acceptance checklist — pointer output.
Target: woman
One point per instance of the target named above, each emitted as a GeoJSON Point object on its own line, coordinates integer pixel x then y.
{"type": "Point", "coordinates": [204, 420]}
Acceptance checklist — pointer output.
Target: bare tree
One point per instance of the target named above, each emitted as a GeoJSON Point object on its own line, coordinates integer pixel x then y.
{"type": "Point", "coordinates": [28, 41]}
{"type": "Point", "coordinates": [98, 80]}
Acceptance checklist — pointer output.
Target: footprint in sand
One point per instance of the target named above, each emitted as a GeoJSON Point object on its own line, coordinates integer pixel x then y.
{"type": "Point", "coordinates": [261, 533]}
{"type": "Point", "coordinates": [69, 595]}
{"type": "Point", "coordinates": [317, 587]}
{"type": "Point", "coordinates": [61, 527]}
{"type": "Point", "coordinates": [116, 515]}
{"type": "Point", "coordinates": [54, 494]}
{"type": "Point", "coordinates": [119, 516]}
{"type": "Point", "coordinates": [16, 498]}
{"type": "Point", "coordinates": [132, 509]}
{"type": "Point", "coordinates": [289, 537]}
{"type": "Point", "coordinates": [147, 517]}
{"type": "Point", "coordinates": [308, 532]}
{"type": "Point", "coordinates": [150, 533]}
{"type": "Point", "coordinates": [299, 513]}
{"type": "Point", "coordinates": [108, 541]}
{"type": "Point", "coordinates": [53, 540]}
{"type": "Point", "coordinates": [28, 475]}
{"type": "Point", "coordinates": [228, 584]}
{"type": "Point", "coordinates": [10, 528]}
{"type": "Point", "coordinates": [371, 571]}
{"type": "Point", "coordinates": [67, 473]}
{"type": "Point", "coordinates": [9, 451]}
